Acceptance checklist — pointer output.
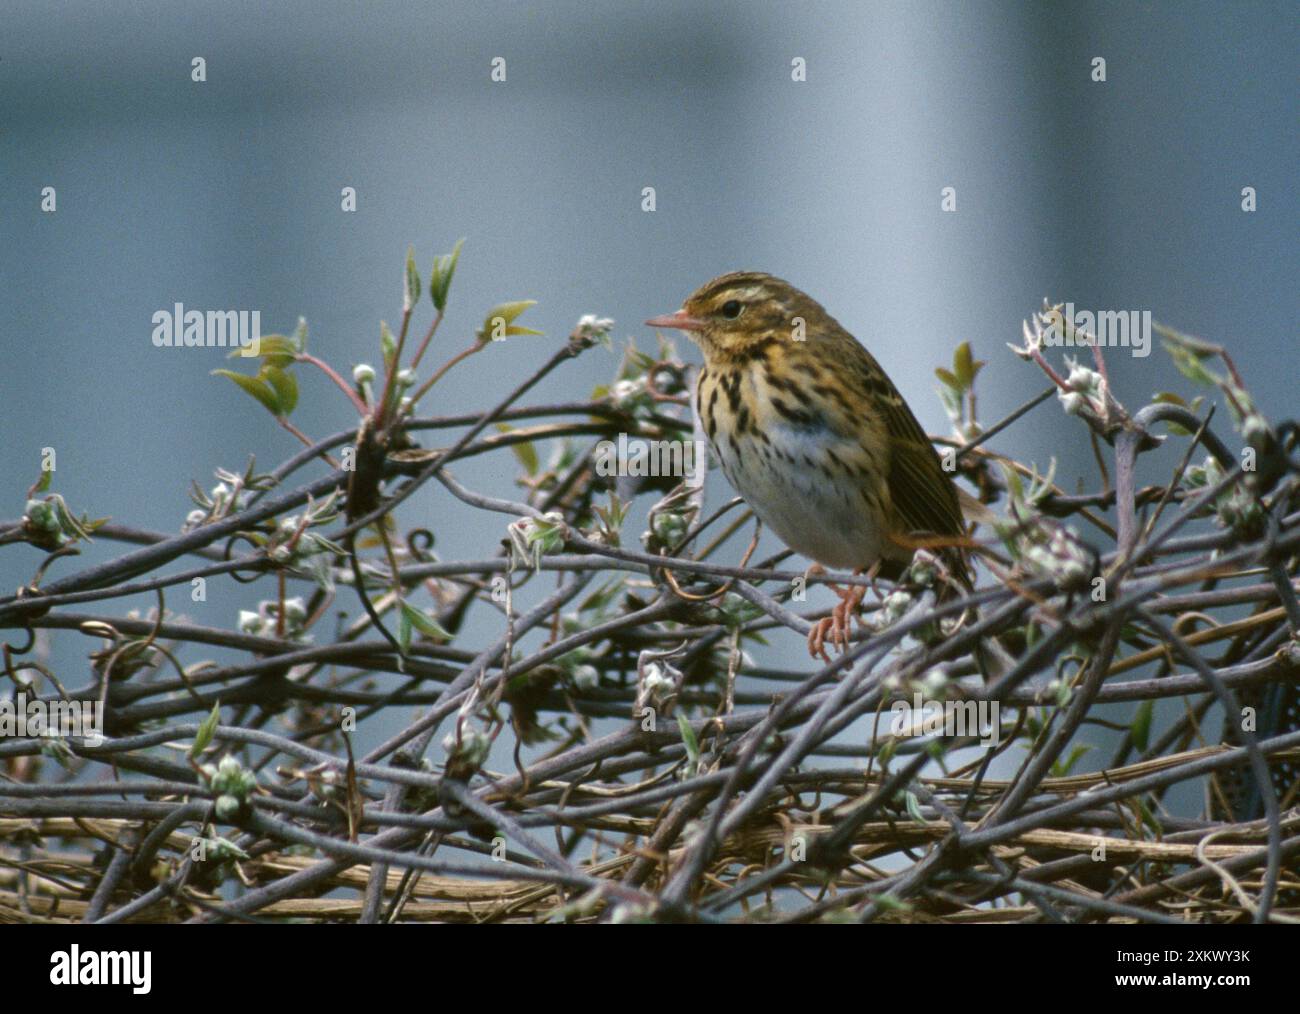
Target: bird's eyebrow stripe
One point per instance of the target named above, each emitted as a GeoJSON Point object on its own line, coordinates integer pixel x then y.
{"type": "Point", "coordinates": [732, 292]}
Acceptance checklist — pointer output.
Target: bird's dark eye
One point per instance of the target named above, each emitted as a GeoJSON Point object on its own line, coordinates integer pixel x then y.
{"type": "Point", "coordinates": [731, 309]}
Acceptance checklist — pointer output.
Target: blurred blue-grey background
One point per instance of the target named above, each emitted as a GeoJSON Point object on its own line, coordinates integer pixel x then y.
{"type": "Point", "coordinates": [226, 194]}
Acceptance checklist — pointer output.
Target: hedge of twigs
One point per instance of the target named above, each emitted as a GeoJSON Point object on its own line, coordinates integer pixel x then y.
{"type": "Point", "coordinates": [588, 730]}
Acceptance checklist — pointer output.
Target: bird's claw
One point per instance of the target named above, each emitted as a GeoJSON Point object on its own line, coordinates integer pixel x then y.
{"type": "Point", "coordinates": [835, 627]}
{"type": "Point", "coordinates": [817, 638]}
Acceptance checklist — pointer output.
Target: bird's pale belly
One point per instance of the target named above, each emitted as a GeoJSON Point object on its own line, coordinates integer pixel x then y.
{"type": "Point", "coordinates": [816, 509]}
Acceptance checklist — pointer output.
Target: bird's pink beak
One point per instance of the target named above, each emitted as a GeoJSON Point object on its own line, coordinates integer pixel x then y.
{"type": "Point", "coordinates": [680, 321]}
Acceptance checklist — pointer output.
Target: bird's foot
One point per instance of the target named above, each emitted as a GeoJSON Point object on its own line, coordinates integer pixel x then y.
{"type": "Point", "coordinates": [837, 626]}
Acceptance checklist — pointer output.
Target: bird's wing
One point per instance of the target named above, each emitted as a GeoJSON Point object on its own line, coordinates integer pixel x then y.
{"type": "Point", "coordinates": [923, 495]}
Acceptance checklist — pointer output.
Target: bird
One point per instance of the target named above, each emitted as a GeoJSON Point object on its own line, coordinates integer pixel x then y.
{"type": "Point", "coordinates": [814, 436]}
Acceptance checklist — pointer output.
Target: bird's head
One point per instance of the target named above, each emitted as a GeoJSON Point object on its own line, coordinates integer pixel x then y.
{"type": "Point", "coordinates": [734, 313]}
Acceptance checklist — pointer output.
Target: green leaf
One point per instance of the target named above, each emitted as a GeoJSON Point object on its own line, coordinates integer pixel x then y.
{"type": "Point", "coordinates": [256, 386]}
{"type": "Point", "coordinates": [1186, 341]}
{"type": "Point", "coordinates": [892, 903]}
{"type": "Point", "coordinates": [512, 309]}
{"type": "Point", "coordinates": [946, 377]}
{"type": "Point", "coordinates": [1147, 817]}
{"type": "Point", "coordinates": [444, 267]}
{"type": "Point", "coordinates": [525, 452]}
{"type": "Point", "coordinates": [43, 483]}
{"type": "Point", "coordinates": [387, 344]}
{"type": "Point", "coordinates": [963, 366]}
{"type": "Point", "coordinates": [1063, 767]}
{"type": "Point", "coordinates": [273, 349]}
{"type": "Point", "coordinates": [285, 386]}
{"type": "Point", "coordinates": [72, 526]}
{"type": "Point", "coordinates": [404, 633]}
{"type": "Point", "coordinates": [1140, 730]}
{"type": "Point", "coordinates": [1014, 483]}
{"type": "Point", "coordinates": [1190, 365]}
{"type": "Point", "coordinates": [500, 320]}
{"type": "Point", "coordinates": [423, 622]}
{"type": "Point", "coordinates": [412, 281]}
{"type": "Point", "coordinates": [319, 568]}
{"type": "Point", "coordinates": [688, 738]}
{"type": "Point", "coordinates": [914, 807]}
{"type": "Point", "coordinates": [208, 728]}
{"type": "Point", "coordinates": [274, 387]}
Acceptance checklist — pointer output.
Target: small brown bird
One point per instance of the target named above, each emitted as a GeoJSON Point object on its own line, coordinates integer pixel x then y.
{"type": "Point", "coordinates": [815, 437]}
